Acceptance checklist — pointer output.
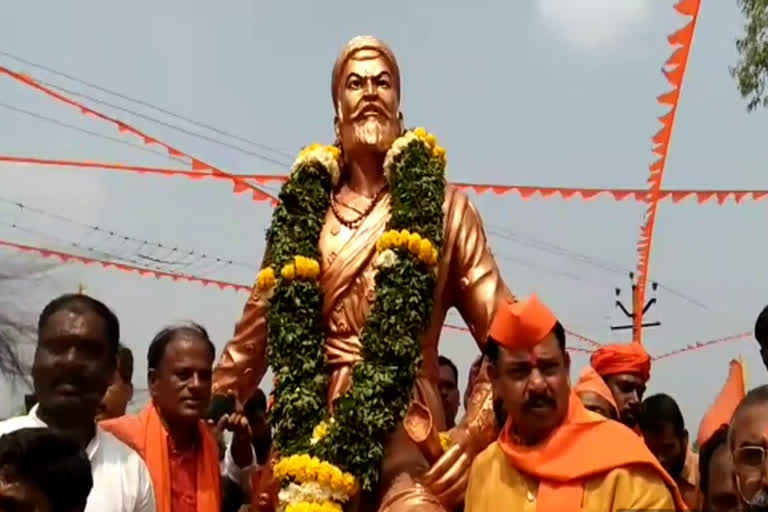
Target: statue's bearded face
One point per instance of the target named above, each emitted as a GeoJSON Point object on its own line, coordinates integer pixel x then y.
{"type": "Point", "coordinates": [367, 110]}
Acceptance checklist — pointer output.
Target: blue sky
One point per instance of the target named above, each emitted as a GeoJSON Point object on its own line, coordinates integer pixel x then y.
{"type": "Point", "coordinates": [543, 92]}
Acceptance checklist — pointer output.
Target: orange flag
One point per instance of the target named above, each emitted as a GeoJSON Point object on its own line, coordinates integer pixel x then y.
{"type": "Point", "coordinates": [725, 404]}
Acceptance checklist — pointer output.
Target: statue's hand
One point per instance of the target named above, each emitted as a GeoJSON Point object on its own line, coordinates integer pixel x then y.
{"type": "Point", "coordinates": [448, 477]}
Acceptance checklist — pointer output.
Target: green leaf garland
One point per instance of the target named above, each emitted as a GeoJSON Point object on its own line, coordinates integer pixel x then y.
{"type": "Point", "coordinates": [382, 383]}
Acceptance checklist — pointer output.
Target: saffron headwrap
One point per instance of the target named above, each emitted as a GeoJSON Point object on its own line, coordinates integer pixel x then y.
{"type": "Point", "coordinates": [622, 358]}
{"type": "Point", "coordinates": [592, 382]}
{"type": "Point", "coordinates": [522, 324]}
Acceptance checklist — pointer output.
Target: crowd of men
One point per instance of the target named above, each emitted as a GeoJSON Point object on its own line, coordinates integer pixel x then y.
{"type": "Point", "coordinates": [596, 446]}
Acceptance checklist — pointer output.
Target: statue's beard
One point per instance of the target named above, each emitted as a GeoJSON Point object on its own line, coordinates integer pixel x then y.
{"type": "Point", "coordinates": [370, 134]}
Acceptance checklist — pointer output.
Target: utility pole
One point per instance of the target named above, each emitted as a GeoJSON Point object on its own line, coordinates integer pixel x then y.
{"type": "Point", "coordinates": [81, 289]}
{"type": "Point", "coordinates": [635, 307]}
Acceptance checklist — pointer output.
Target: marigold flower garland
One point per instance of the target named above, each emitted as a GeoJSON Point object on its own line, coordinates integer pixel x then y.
{"type": "Point", "coordinates": [325, 461]}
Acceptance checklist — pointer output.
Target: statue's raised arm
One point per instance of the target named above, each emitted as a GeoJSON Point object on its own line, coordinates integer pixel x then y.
{"type": "Point", "coordinates": [243, 362]}
{"type": "Point", "coordinates": [369, 249]}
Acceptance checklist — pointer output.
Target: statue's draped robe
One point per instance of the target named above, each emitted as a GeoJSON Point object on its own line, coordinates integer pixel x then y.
{"type": "Point", "coordinates": [467, 279]}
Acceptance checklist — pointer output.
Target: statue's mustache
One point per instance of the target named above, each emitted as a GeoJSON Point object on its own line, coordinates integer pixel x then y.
{"type": "Point", "coordinates": [368, 107]}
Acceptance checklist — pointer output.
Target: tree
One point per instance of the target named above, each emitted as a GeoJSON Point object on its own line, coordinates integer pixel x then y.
{"type": "Point", "coordinates": [12, 335]}
{"type": "Point", "coordinates": [751, 71]}
{"type": "Point", "coordinates": [18, 279]}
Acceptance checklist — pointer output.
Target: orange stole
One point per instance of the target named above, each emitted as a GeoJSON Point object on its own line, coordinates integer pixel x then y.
{"type": "Point", "coordinates": [584, 446]}
{"type": "Point", "coordinates": [146, 434]}
{"type": "Point", "coordinates": [264, 489]}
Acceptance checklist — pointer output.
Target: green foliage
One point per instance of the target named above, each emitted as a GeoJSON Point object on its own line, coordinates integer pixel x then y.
{"type": "Point", "coordinates": [751, 71]}
{"type": "Point", "coordinates": [296, 345]}
{"type": "Point", "coordinates": [383, 381]}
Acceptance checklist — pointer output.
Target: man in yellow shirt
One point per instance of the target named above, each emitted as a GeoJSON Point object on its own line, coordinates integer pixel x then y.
{"type": "Point", "coordinates": [554, 455]}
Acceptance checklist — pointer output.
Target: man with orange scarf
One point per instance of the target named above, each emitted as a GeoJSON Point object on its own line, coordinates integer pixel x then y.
{"type": "Point", "coordinates": [553, 455]}
{"type": "Point", "coordinates": [170, 434]}
{"type": "Point", "coordinates": [625, 368]}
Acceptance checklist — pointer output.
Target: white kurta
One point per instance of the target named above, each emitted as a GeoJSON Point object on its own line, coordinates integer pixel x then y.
{"type": "Point", "coordinates": [121, 481]}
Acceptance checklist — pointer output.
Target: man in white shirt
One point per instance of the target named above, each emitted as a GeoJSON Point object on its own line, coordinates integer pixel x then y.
{"type": "Point", "coordinates": [75, 357]}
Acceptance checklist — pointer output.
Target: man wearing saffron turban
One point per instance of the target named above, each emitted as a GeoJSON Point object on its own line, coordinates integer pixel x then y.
{"type": "Point", "coordinates": [626, 369]}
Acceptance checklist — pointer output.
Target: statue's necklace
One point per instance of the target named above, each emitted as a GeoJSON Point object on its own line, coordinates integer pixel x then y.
{"type": "Point", "coordinates": [354, 223]}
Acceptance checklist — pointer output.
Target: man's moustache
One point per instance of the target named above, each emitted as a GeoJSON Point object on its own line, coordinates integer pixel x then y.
{"type": "Point", "coordinates": [539, 401]}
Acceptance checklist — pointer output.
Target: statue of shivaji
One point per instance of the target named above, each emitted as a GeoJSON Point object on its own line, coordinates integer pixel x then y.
{"type": "Point", "coordinates": [367, 251]}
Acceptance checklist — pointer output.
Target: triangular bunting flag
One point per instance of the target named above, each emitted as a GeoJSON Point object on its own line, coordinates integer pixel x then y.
{"type": "Point", "coordinates": [688, 7]}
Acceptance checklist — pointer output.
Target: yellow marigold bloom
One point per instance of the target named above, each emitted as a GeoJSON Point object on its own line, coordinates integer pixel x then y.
{"type": "Point", "coordinates": [307, 149]}
{"type": "Point", "coordinates": [387, 241]}
{"type": "Point", "coordinates": [336, 481]}
{"type": "Point", "coordinates": [313, 269]}
{"type": "Point", "coordinates": [414, 243]}
{"type": "Point", "coordinates": [310, 473]}
{"type": "Point", "coordinates": [303, 267]}
{"type": "Point", "coordinates": [335, 151]}
{"type": "Point", "coordinates": [439, 152]}
{"type": "Point", "coordinates": [427, 253]}
{"type": "Point", "coordinates": [404, 238]}
{"type": "Point", "coordinates": [425, 247]}
{"type": "Point", "coordinates": [320, 431]}
{"type": "Point", "coordinates": [324, 478]}
{"type": "Point", "coordinates": [431, 140]}
{"type": "Point", "coordinates": [420, 132]}
{"type": "Point", "coordinates": [350, 484]}
{"type": "Point", "coordinates": [266, 279]}
{"type": "Point", "coordinates": [288, 272]}
{"type": "Point", "coordinates": [329, 506]}
{"type": "Point", "coordinates": [432, 258]}
{"type": "Point", "coordinates": [391, 239]}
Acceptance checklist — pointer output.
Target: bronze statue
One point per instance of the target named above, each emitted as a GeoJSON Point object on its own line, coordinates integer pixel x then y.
{"type": "Point", "coordinates": [415, 473]}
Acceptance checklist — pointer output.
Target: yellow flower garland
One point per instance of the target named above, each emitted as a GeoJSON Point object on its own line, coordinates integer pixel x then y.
{"type": "Point", "coordinates": [308, 506]}
{"type": "Point", "coordinates": [412, 242]}
{"type": "Point", "coordinates": [327, 156]}
{"type": "Point", "coordinates": [304, 469]}
{"type": "Point", "coordinates": [301, 268]}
